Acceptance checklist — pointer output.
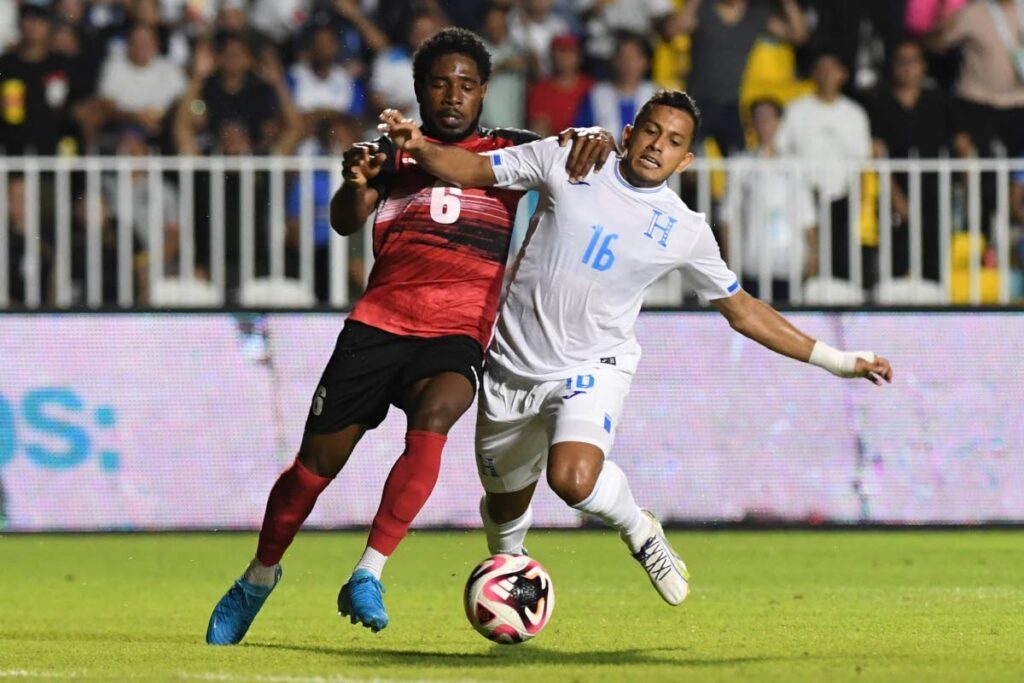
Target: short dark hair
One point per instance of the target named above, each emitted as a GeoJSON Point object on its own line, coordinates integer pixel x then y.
{"type": "Point", "coordinates": [448, 41]}
{"type": "Point", "coordinates": [638, 39]}
{"type": "Point", "coordinates": [766, 102]}
{"type": "Point", "coordinates": [828, 53]}
{"type": "Point", "coordinates": [677, 99]}
{"type": "Point", "coordinates": [225, 38]}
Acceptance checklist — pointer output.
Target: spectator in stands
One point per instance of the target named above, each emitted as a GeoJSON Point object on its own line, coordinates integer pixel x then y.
{"type": "Point", "coordinates": [37, 93]}
{"type": "Point", "coordinates": [552, 103]}
{"type": "Point", "coordinates": [91, 43]}
{"type": "Point", "coordinates": [232, 17]}
{"type": "Point", "coordinates": [83, 69]}
{"type": "Point", "coordinates": [1017, 199]}
{"type": "Point", "coordinates": [533, 25]}
{"type": "Point", "coordinates": [140, 87]}
{"type": "Point", "coordinates": [723, 33]}
{"type": "Point", "coordinates": [8, 24]}
{"type": "Point", "coordinates": [334, 135]}
{"type": "Point", "coordinates": [924, 16]}
{"type": "Point", "coordinates": [612, 104]}
{"type": "Point", "coordinates": [912, 120]}
{"type": "Point", "coordinates": [359, 33]}
{"type": "Point", "coordinates": [322, 88]}
{"type": "Point", "coordinates": [506, 88]}
{"type": "Point", "coordinates": [233, 93]}
{"type": "Point", "coordinates": [605, 19]}
{"type": "Point", "coordinates": [279, 20]}
{"type": "Point", "coordinates": [774, 211]}
{"type": "Point", "coordinates": [19, 267]}
{"type": "Point", "coordinates": [391, 84]}
{"type": "Point", "coordinates": [396, 16]}
{"type": "Point", "coordinates": [827, 129]}
{"type": "Point", "coordinates": [991, 81]}
{"type": "Point", "coordinates": [862, 33]}
{"type": "Point", "coordinates": [133, 141]}
{"type": "Point", "coordinates": [670, 63]}
{"type": "Point", "coordinates": [80, 249]}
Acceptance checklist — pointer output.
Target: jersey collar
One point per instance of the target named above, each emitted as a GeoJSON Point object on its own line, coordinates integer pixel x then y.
{"type": "Point", "coordinates": [630, 186]}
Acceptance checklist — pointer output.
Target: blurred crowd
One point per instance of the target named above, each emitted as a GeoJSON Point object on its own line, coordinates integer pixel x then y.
{"type": "Point", "coordinates": [806, 79]}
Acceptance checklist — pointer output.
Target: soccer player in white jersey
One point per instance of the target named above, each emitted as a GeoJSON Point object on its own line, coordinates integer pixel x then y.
{"type": "Point", "coordinates": [564, 352]}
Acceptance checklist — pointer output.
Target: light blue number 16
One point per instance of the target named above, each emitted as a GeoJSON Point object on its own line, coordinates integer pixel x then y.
{"type": "Point", "coordinates": [604, 259]}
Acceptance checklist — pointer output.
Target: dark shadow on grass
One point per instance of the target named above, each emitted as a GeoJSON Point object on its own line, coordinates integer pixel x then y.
{"type": "Point", "coordinates": [505, 656]}
{"type": "Point", "coordinates": [96, 637]}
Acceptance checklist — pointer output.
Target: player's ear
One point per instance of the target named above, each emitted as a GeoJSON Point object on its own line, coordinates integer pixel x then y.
{"type": "Point", "coordinates": [483, 89]}
{"type": "Point", "coordinates": [687, 160]}
{"type": "Point", "coordinates": [627, 132]}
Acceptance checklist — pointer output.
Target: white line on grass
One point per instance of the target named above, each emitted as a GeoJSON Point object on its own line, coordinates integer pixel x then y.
{"type": "Point", "coordinates": [22, 673]}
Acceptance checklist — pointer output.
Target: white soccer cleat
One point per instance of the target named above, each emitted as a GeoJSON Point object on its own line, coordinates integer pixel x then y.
{"type": "Point", "coordinates": [664, 568]}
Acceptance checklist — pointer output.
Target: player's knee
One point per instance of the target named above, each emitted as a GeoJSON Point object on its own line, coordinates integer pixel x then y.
{"type": "Point", "coordinates": [318, 462]}
{"type": "Point", "coordinates": [437, 415]}
{"type": "Point", "coordinates": [572, 481]}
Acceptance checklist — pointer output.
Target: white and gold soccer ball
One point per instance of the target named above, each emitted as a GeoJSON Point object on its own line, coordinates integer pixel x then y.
{"type": "Point", "coordinates": [509, 598]}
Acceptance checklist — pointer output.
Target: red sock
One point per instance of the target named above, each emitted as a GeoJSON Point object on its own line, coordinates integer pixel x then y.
{"type": "Point", "coordinates": [408, 486]}
{"type": "Point", "coordinates": [291, 500]}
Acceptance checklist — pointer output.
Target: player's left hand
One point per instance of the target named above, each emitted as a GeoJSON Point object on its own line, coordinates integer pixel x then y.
{"type": "Point", "coordinates": [405, 133]}
{"type": "Point", "coordinates": [874, 371]}
{"type": "Point", "coordinates": [590, 149]}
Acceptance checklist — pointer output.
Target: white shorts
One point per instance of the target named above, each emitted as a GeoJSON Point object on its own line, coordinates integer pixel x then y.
{"type": "Point", "coordinates": [519, 419]}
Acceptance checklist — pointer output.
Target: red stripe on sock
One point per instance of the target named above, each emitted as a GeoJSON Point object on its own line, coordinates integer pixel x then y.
{"type": "Point", "coordinates": [290, 502]}
{"type": "Point", "coordinates": [408, 487]}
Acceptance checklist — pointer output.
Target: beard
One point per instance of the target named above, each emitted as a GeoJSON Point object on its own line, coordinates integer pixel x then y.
{"type": "Point", "coordinates": [442, 135]}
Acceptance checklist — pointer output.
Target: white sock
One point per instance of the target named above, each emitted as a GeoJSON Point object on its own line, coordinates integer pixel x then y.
{"type": "Point", "coordinates": [258, 575]}
{"type": "Point", "coordinates": [372, 561]}
{"type": "Point", "coordinates": [612, 502]}
{"type": "Point", "coordinates": [508, 537]}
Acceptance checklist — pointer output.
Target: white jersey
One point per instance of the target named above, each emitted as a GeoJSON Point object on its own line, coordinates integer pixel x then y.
{"type": "Point", "coordinates": [592, 251]}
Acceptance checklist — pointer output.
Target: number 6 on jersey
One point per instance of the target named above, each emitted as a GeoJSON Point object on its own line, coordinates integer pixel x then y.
{"type": "Point", "coordinates": [445, 205]}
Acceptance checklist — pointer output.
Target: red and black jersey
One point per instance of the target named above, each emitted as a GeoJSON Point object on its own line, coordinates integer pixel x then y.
{"type": "Point", "coordinates": [439, 250]}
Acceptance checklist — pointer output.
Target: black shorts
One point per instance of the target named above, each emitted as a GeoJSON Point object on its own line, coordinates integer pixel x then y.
{"type": "Point", "coordinates": [370, 369]}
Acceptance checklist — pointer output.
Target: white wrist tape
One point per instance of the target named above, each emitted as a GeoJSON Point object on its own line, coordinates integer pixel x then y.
{"type": "Point", "coordinates": [839, 363]}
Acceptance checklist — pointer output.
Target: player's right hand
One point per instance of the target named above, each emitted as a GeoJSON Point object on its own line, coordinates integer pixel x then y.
{"type": "Point", "coordinates": [361, 163]}
{"type": "Point", "coordinates": [403, 131]}
{"type": "Point", "coordinates": [874, 371]}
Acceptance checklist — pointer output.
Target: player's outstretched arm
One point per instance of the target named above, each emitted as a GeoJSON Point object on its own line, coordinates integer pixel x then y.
{"type": "Point", "coordinates": [757, 320]}
{"type": "Point", "coordinates": [447, 162]}
{"type": "Point", "coordinates": [355, 200]}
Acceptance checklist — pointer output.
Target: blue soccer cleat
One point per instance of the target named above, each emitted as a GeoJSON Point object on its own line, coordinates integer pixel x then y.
{"type": "Point", "coordinates": [233, 615]}
{"type": "Point", "coordinates": [360, 600]}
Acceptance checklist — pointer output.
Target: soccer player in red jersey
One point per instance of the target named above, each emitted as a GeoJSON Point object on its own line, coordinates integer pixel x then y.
{"type": "Point", "coordinates": [416, 337]}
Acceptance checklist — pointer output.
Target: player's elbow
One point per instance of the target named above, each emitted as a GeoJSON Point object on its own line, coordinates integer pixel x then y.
{"type": "Point", "coordinates": [741, 312]}
{"type": "Point", "coordinates": [345, 216]}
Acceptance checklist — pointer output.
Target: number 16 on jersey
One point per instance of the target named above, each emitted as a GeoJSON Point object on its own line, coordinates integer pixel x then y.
{"type": "Point", "coordinates": [599, 254]}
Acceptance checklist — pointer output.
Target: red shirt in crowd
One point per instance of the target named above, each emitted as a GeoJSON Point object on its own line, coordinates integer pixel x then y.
{"type": "Point", "coordinates": [547, 100]}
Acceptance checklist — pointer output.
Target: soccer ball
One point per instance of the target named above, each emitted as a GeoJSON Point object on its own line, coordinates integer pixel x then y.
{"type": "Point", "coordinates": [509, 598]}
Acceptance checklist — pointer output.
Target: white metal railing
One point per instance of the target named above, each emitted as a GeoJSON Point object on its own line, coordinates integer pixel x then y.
{"type": "Point", "coordinates": [57, 212]}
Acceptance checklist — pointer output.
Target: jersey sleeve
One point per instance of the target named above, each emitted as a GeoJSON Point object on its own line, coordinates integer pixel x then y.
{"type": "Point", "coordinates": [388, 170]}
{"type": "Point", "coordinates": [516, 136]}
{"type": "Point", "coordinates": [526, 167]}
{"type": "Point", "coordinates": [705, 270]}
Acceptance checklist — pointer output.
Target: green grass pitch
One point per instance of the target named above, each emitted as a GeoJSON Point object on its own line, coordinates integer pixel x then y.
{"type": "Point", "coordinates": [765, 606]}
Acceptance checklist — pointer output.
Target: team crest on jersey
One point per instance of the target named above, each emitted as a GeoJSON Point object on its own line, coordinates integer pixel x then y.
{"type": "Point", "coordinates": [661, 224]}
